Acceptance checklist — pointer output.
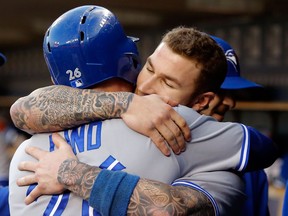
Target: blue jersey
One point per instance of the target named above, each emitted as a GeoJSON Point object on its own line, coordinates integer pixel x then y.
{"type": "Point", "coordinates": [4, 207]}
{"type": "Point", "coordinates": [216, 147]}
{"type": "Point", "coordinates": [256, 187]}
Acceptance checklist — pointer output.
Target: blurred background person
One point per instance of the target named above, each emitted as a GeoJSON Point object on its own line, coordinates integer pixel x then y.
{"type": "Point", "coordinates": [10, 138]}
{"type": "Point", "coordinates": [225, 100]}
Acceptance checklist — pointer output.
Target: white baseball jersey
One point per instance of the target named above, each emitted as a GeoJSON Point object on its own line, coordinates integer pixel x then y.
{"type": "Point", "coordinates": [112, 145]}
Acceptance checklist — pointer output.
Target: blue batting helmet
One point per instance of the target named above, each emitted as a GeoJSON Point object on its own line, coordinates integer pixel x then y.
{"type": "Point", "coordinates": [87, 45]}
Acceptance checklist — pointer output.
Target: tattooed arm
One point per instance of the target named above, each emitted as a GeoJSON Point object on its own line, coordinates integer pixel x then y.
{"type": "Point", "coordinates": [54, 108]}
{"type": "Point", "coordinates": [146, 197]}
{"type": "Point", "coordinates": [57, 107]}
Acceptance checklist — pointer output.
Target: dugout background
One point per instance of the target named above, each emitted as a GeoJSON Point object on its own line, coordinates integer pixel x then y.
{"type": "Point", "coordinates": [257, 30]}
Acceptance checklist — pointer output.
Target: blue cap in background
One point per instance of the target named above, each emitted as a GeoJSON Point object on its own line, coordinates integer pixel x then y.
{"type": "Point", "coordinates": [233, 78]}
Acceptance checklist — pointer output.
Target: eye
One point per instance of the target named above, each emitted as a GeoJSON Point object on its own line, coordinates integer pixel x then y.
{"type": "Point", "coordinates": [149, 68]}
{"type": "Point", "coordinates": [169, 84]}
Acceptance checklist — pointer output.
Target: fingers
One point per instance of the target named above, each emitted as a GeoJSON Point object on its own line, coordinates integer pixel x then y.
{"type": "Point", "coordinates": [160, 142]}
{"type": "Point", "coordinates": [26, 180]}
{"type": "Point", "coordinates": [174, 130]}
{"type": "Point", "coordinates": [174, 137]}
{"type": "Point", "coordinates": [35, 152]}
{"type": "Point", "coordinates": [164, 127]}
{"type": "Point", "coordinates": [182, 125]}
{"type": "Point", "coordinates": [59, 141]}
{"type": "Point", "coordinates": [167, 135]}
{"type": "Point", "coordinates": [62, 146]}
{"type": "Point", "coordinates": [27, 166]}
{"type": "Point", "coordinates": [33, 195]}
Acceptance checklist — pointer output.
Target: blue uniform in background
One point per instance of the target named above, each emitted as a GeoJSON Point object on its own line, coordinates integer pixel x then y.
{"type": "Point", "coordinates": [257, 194]}
{"type": "Point", "coordinates": [4, 207]}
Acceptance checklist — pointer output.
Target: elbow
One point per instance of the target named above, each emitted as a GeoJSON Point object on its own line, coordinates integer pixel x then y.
{"type": "Point", "coordinates": [18, 117]}
{"type": "Point", "coordinates": [263, 158]}
{"type": "Point", "coordinates": [14, 114]}
{"type": "Point", "coordinates": [263, 151]}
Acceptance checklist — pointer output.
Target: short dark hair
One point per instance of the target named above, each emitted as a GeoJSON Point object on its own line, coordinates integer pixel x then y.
{"type": "Point", "coordinates": [200, 47]}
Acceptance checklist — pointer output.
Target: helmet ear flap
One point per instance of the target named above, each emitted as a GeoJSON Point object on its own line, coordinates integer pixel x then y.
{"type": "Point", "coordinates": [129, 66]}
{"type": "Point", "coordinates": [134, 61]}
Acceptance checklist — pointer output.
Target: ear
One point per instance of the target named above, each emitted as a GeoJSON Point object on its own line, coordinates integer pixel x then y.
{"type": "Point", "coordinates": [202, 101]}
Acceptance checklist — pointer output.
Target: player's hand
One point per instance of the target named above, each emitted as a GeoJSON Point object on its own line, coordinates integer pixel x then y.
{"type": "Point", "coordinates": [153, 116]}
{"type": "Point", "coordinates": [46, 169]}
{"type": "Point", "coordinates": [218, 106]}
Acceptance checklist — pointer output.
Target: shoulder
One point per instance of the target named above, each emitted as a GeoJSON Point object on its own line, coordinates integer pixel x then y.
{"type": "Point", "coordinates": [189, 114]}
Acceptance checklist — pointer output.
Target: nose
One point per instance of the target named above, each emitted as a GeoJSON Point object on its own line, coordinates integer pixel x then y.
{"type": "Point", "coordinates": [147, 86]}
{"type": "Point", "coordinates": [229, 101]}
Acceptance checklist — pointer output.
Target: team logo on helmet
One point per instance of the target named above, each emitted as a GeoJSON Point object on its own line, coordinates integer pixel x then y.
{"type": "Point", "coordinates": [77, 83]}
{"type": "Point", "coordinates": [231, 57]}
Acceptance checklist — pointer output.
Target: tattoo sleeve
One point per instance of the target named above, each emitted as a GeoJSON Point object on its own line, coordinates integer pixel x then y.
{"type": "Point", "coordinates": [57, 107]}
{"type": "Point", "coordinates": [149, 197]}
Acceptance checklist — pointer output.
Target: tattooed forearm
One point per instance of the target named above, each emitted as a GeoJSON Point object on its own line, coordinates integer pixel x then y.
{"type": "Point", "coordinates": [56, 108]}
{"type": "Point", "coordinates": [78, 177]}
{"type": "Point", "coordinates": [149, 197]}
{"type": "Point", "coordinates": [156, 198]}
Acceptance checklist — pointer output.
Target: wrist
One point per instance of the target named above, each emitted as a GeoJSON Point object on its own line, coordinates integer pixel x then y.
{"type": "Point", "coordinates": [77, 177]}
{"type": "Point", "coordinates": [123, 102]}
{"type": "Point", "coordinates": [65, 171]}
{"type": "Point", "coordinates": [112, 191]}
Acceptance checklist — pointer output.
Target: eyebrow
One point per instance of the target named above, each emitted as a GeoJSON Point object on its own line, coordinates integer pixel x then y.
{"type": "Point", "coordinates": [149, 61]}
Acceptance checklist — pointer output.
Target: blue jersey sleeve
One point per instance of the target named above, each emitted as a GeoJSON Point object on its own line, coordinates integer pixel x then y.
{"type": "Point", "coordinates": [263, 151]}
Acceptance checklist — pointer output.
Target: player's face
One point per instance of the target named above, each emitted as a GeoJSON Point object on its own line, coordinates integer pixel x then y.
{"type": "Point", "coordinates": [219, 105]}
{"type": "Point", "coordinates": [168, 74]}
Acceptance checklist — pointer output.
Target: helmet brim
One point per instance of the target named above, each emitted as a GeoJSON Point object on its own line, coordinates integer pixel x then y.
{"type": "Point", "coordinates": [238, 83]}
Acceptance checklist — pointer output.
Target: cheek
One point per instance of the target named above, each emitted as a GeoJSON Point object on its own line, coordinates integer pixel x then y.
{"type": "Point", "coordinates": [178, 96]}
{"type": "Point", "coordinates": [184, 97]}
{"type": "Point", "coordinates": [142, 77]}
{"type": "Point", "coordinates": [139, 82]}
